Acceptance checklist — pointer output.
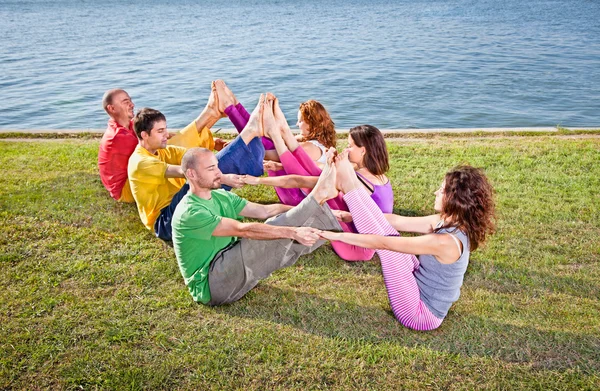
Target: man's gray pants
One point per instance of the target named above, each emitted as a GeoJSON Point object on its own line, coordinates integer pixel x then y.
{"type": "Point", "coordinates": [237, 269]}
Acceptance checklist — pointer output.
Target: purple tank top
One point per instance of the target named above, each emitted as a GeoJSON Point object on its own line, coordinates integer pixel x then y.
{"type": "Point", "coordinates": [383, 195]}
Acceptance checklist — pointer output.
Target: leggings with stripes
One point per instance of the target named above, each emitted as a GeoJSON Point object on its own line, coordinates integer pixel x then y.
{"type": "Point", "coordinates": [398, 268]}
{"type": "Point", "coordinates": [299, 163]}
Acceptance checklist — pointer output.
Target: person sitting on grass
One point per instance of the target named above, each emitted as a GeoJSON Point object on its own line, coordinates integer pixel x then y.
{"type": "Point", "coordinates": [421, 289]}
{"type": "Point", "coordinates": [157, 180]}
{"type": "Point", "coordinates": [219, 268]}
{"type": "Point", "coordinates": [119, 140]}
{"type": "Point", "coordinates": [366, 147]}
{"type": "Point", "coordinates": [317, 135]}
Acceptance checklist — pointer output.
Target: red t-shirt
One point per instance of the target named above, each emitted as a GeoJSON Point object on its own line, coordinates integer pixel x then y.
{"type": "Point", "coordinates": [116, 147]}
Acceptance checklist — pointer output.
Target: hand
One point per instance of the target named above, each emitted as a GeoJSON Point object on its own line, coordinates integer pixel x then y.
{"type": "Point", "coordinates": [306, 235]}
{"type": "Point", "coordinates": [328, 235]}
{"type": "Point", "coordinates": [269, 165]}
{"type": "Point", "coordinates": [232, 180]}
{"type": "Point", "coordinates": [220, 144]}
{"type": "Point", "coordinates": [170, 135]}
{"type": "Point", "coordinates": [250, 180]}
{"type": "Point", "coordinates": [342, 215]}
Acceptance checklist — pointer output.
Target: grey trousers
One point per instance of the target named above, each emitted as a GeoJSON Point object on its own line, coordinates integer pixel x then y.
{"type": "Point", "coordinates": [235, 270]}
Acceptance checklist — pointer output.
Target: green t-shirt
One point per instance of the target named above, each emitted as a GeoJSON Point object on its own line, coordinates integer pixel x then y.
{"type": "Point", "coordinates": [194, 221]}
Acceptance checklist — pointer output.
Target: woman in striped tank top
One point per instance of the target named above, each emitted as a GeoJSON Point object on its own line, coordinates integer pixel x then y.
{"type": "Point", "coordinates": [421, 289]}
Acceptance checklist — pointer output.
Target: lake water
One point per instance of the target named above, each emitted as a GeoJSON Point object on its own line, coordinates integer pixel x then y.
{"type": "Point", "coordinates": [392, 64]}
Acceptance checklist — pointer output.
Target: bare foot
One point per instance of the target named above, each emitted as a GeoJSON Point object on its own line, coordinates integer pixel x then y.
{"type": "Point", "coordinates": [212, 106]}
{"type": "Point", "coordinates": [346, 177]}
{"type": "Point", "coordinates": [330, 155]}
{"type": "Point", "coordinates": [230, 94]}
{"type": "Point", "coordinates": [279, 116]}
{"type": "Point", "coordinates": [269, 124]}
{"type": "Point", "coordinates": [224, 98]}
{"type": "Point", "coordinates": [325, 188]}
{"type": "Point", "coordinates": [254, 127]}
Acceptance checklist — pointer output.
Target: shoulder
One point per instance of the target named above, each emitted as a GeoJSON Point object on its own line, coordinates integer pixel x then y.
{"type": "Point", "coordinates": [142, 160]}
{"type": "Point", "coordinates": [226, 195]}
{"type": "Point", "coordinates": [380, 180]}
{"type": "Point", "coordinates": [312, 149]}
{"type": "Point", "coordinates": [193, 212]}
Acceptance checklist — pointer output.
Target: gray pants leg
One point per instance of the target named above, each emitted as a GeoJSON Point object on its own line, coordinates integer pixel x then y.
{"type": "Point", "coordinates": [236, 270]}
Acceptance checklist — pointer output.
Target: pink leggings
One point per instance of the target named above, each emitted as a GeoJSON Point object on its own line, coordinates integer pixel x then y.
{"type": "Point", "coordinates": [299, 163]}
{"type": "Point", "coordinates": [398, 268]}
{"type": "Point", "coordinates": [239, 116]}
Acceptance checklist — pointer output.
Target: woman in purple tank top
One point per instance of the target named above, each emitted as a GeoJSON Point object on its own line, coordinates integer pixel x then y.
{"type": "Point", "coordinates": [421, 290]}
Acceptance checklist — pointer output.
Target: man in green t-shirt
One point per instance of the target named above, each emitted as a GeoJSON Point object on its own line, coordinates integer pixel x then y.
{"type": "Point", "coordinates": [218, 267]}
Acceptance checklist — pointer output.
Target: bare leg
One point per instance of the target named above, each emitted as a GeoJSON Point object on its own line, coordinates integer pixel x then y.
{"type": "Point", "coordinates": [254, 128]}
{"type": "Point", "coordinates": [211, 114]}
{"type": "Point", "coordinates": [325, 189]}
{"type": "Point", "coordinates": [346, 178]}
{"type": "Point", "coordinates": [286, 133]}
{"type": "Point", "coordinates": [272, 131]}
{"type": "Point", "coordinates": [224, 96]}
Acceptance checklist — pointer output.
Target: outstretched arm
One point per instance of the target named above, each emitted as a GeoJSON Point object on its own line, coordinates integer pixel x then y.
{"type": "Point", "coordinates": [262, 212]}
{"type": "Point", "coordinates": [443, 247]}
{"type": "Point", "coordinates": [174, 172]}
{"type": "Point", "coordinates": [284, 181]}
{"type": "Point", "coordinates": [422, 225]}
{"type": "Point", "coordinates": [230, 227]}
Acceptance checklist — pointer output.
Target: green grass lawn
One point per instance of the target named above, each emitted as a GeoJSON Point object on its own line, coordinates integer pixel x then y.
{"type": "Point", "coordinates": [91, 300]}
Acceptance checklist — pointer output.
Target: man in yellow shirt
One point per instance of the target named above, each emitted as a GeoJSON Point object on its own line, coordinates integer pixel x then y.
{"type": "Point", "coordinates": [157, 181]}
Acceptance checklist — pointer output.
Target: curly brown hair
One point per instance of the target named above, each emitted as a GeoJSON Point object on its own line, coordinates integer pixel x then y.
{"type": "Point", "coordinates": [468, 204]}
{"type": "Point", "coordinates": [321, 127]}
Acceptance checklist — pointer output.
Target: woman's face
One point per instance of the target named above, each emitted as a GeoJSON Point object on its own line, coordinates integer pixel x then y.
{"type": "Point", "coordinates": [356, 154]}
{"type": "Point", "coordinates": [304, 128]}
{"type": "Point", "coordinates": [439, 198]}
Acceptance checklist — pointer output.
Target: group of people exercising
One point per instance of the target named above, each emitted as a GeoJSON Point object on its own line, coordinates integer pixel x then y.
{"type": "Point", "coordinates": [181, 188]}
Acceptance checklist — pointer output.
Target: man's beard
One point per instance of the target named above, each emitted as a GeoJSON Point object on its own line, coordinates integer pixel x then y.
{"type": "Point", "coordinates": [213, 185]}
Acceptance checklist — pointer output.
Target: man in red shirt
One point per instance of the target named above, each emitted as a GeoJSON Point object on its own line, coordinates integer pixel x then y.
{"type": "Point", "coordinates": [119, 139]}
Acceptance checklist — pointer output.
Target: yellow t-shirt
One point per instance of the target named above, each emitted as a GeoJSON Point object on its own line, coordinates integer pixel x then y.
{"type": "Point", "coordinates": [187, 137]}
{"type": "Point", "coordinates": [150, 189]}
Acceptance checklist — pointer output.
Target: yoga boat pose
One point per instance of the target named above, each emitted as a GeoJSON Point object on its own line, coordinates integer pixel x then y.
{"type": "Point", "coordinates": [317, 135]}
{"type": "Point", "coordinates": [421, 290]}
{"type": "Point", "coordinates": [305, 172]}
{"type": "Point", "coordinates": [368, 154]}
{"type": "Point", "coordinates": [317, 132]}
{"type": "Point", "coordinates": [221, 258]}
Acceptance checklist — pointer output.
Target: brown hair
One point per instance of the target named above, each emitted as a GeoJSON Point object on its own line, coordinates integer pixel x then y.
{"type": "Point", "coordinates": [320, 125]}
{"type": "Point", "coordinates": [145, 119]}
{"type": "Point", "coordinates": [376, 157]}
{"type": "Point", "coordinates": [468, 204]}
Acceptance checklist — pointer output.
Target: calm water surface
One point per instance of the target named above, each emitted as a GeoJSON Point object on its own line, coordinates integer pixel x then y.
{"type": "Point", "coordinates": [393, 64]}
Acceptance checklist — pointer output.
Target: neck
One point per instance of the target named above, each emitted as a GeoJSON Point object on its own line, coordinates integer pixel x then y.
{"type": "Point", "coordinates": [147, 147]}
{"type": "Point", "coordinates": [123, 121]}
{"type": "Point", "coordinates": [201, 192]}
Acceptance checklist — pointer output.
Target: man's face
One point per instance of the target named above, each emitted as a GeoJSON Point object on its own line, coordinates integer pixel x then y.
{"type": "Point", "coordinates": [157, 139]}
{"type": "Point", "coordinates": [121, 105]}
{"type": "Point", "coordinates": [207, 172]}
